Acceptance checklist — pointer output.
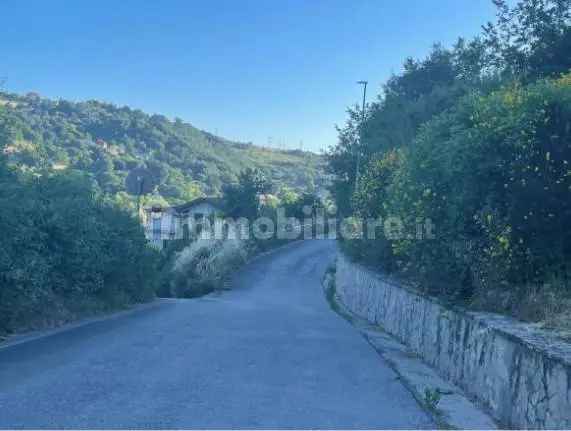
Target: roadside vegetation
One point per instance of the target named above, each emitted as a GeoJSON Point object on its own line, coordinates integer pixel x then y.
{"type": "Point", "coordinates": [71, 250]}
{"type": "Point", "coordinates": [195, 266]}
{"type": "Point", "coordinates": [67, 251]}
{"type": "Point", "coordinates": [477, 139]}
{"type": "Point", "coordinates": [72, 244]}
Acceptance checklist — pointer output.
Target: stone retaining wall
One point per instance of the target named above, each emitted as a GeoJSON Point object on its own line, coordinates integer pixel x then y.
{"type": "Point", "coordinates": [520, 373]}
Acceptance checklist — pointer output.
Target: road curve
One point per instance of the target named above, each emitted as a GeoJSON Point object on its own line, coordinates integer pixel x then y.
{"type": "Point", "coordinates": [268, 354]}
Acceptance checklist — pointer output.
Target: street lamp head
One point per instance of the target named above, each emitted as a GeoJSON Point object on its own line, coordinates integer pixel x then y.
{"type": "Point", "coordinates": [362, 82]}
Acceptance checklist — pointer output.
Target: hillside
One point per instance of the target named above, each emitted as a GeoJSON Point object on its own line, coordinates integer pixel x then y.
{"type": "Point", "coordinates": [107, 141]}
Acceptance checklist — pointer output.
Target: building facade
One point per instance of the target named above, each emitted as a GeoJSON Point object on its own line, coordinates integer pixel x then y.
{"type": "Point", "coordinates": [170, 223]}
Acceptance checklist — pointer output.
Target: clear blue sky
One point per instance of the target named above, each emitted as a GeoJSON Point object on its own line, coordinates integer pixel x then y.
{"type": "Point", "coordinates": [243, 68]}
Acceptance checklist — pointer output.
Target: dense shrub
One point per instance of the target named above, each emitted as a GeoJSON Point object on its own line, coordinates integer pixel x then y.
{"type": "Point", "coordinates": [494, 177]}
{"type": "Point", "coordinates": [66, 250]}
{"type": "Point", "coordinates": [475, 139]}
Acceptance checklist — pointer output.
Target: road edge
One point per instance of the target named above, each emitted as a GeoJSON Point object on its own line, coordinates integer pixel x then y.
{"type": "Point", "coordinates": [30, 336]}
{"type": "Point", "coordinates": [447, 404]}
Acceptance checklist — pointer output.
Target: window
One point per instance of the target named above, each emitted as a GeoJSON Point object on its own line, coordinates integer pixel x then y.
{"type": "Point", "coordinates": [157, 228]}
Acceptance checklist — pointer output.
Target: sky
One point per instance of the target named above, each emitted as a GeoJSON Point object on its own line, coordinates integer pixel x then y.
{"type": "Point", "coordinates": [278, 73]}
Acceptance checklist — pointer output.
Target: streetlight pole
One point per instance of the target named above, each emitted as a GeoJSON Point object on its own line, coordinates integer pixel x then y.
{"type": "Point", "coordinates": [362, 125]}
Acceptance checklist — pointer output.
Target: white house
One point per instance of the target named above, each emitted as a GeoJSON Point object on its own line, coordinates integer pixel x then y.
{"type": "Point", "coordinates": [169, 223]}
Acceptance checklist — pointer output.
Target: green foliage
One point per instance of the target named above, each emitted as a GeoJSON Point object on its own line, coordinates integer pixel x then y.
{"type": "Point", "coordinates": [532, 39]}
{"type": "Point", "coordinates": [494, 177]}
{"type": "Point", "coordinates": [370, 203]}
{"type": "Point", "coordinates": [243, 201]}
{"type": "Point", "coordinates": [425, 89]}
{"type": "Point", "coordinates": [432, 398]}
{"type": "Point", "coordinates": [529, 41]}
{"type": "Point", "coordinates": [477, 140]}
{"type": "Point", "coordinates": [66, 250]}
{"type": "Point", "coordinates": [107, 142]}
{"type": "Point", "coordinates": [494, 174]}
{"type": "Point", "coordinates": [242, 198]}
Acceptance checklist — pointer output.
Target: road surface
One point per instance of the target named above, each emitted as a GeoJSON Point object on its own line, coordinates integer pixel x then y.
{"type": "Point", "coordinates": [268, 354]}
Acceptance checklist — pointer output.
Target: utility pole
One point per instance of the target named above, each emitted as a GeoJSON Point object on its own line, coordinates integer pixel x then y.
{"type": "Point", "coordinates": [361, 126]}
{"type": "Point", "coordinates": [140, 188]}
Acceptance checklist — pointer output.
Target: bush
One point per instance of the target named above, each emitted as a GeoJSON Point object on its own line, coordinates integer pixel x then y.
{"type": "Point", "coordinates": [201, 267]}
{"type": "Point", "coordinates": [66, 250]}
{"type": "Point", "coordinates": [476, 139]}
{"type": "Point", "coordinates": [493, 175]}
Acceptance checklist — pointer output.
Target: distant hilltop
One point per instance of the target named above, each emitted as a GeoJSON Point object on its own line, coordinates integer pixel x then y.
{"type": "Point", "coordinates": [107, 141]}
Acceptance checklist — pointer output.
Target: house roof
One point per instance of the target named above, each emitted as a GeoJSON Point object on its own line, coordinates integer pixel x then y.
{"type": "Point", "coordinates": [214, 201]}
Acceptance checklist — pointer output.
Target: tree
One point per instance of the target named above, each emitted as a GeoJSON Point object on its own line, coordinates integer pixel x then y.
{"type": "Point", "coordinates": [531, 39]}
{"type": "Point", "coordinates": [242, 199]}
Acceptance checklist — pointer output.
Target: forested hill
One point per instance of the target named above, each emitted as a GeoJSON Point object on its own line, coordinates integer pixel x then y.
{"type": "Point", "coordinates": [107, 141]}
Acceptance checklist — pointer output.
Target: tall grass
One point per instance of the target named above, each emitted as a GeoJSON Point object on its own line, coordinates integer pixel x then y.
{"type": "Point", "coordinates": [202, 266]}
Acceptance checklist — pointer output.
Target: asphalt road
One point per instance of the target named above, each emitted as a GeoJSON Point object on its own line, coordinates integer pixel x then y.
{"type": "Point", "coordinates": [268, 354]}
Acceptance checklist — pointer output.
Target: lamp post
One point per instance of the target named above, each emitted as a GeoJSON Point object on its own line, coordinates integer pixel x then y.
{"type": "Point", "coordinates": [362, 125]}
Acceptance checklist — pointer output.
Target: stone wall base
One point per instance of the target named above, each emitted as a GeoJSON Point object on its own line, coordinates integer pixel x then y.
{"type": "Point", "coordinates": [521, 373]}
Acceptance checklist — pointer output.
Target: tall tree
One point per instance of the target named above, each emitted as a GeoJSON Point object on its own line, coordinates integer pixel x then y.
{"type": "Point", "coordinates": [531, 39]}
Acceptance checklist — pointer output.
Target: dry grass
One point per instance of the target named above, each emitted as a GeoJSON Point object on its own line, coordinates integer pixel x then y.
{"type": "Point", "coordinates": [549, 305]}
{"type": "Point", "coordinates": [201, 267]}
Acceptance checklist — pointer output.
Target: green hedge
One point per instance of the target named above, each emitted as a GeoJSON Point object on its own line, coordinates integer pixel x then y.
{"type": "Point", "coordinates": [494, 176]}
{"type": "Point", "coordinates": [66, 250]}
